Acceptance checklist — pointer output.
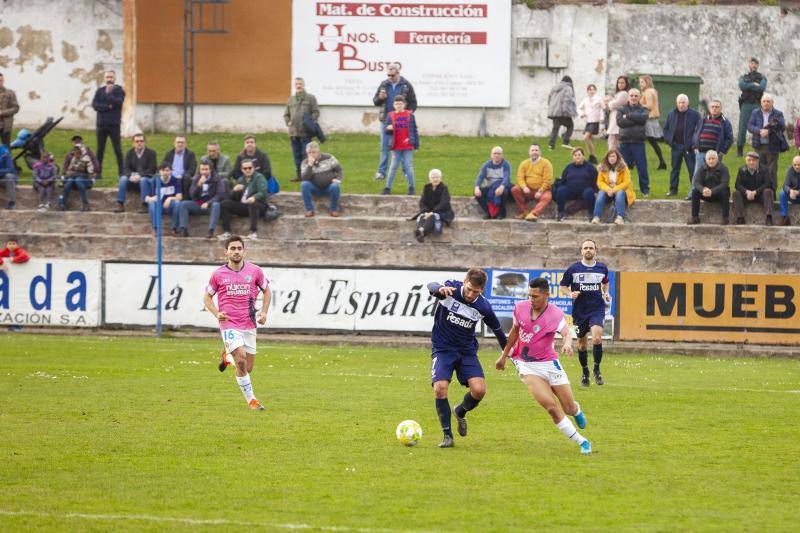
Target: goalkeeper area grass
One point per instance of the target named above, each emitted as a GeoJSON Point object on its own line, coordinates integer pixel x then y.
{"type": "Point", "coordinates": [127, 433]}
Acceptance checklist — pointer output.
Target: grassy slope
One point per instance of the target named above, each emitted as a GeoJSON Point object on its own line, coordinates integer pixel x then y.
{"type": "Point", "coordinates": [130, 426]}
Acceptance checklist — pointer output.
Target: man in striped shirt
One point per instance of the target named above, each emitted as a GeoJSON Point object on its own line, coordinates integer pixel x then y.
{"type": "Point", "coordinates": [714, 132]}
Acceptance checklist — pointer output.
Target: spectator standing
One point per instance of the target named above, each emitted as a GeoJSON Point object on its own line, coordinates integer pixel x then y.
{"type": "Point", "coordinates": [206, 194]}
{"type": "Point", "coordinates": [632, 119]}
{"type": "Point", "coordinates": [578, 181]}
{"type": "Point", "coordinates": [534, 182]}
{"type": "Point", "coordinates": [713, 132]}
{"type": "Point", "coordinates": [678, 134]}
{"type": "Point", "coordinates": [614, 184]}
{"type": "Point", "coordinates": [80, 172]}
{"type": "Point", "coordinates": [248, 199]}
{"type": "Point", "coordinates": [14, 252]}
{"type": "Point", "coordinates": [259, 158]}
{"type": "Point", "coordinates": [300, 105]}
{"type": "Point", "coordinates": [619, 99]}
{"type": "Point", "coordinates": [591, 110]}
{"type": "Point", "coordinates": [220, 163]}
{"type": "Point", "coordinates": [8, 108]}
{"type": "Point", "coordinates": [403, 138]}
{"type": "Point", "coordinates": [44, 180]}
{"type": "Point", "coordinates": [561, 108]}
{"type": "Point", "coordinates": [791, 190]}
{"type": "Point", "coordinates": [8, 176]}
{"type": "Point", "coordinates": [321, 175]}
{"type": "Point", "coordinates": [183, 163]}
{"type": "Point", "coordinates": [752, 84]}
{"type": "Point", "coordinates": [434, 207]}
{"type": "Point", "coordinates": [711, 183]}
{"type": "Point", "coordinates": [168, 195]}
{"type": "Point", "coordinates": [752, 185]}
{"type": "Point", "coordinates": [767, 126]}
{"type": "Point", "coordinates": [653, 130]}
{"type": "Point", "coordinates": [394, 85]}
{"type": "Point", "coordinates": [107, 102]}
{"type": "Point", "coordinates": [493, 185]}
{"type": "Point", "coordinates": [139, 169]}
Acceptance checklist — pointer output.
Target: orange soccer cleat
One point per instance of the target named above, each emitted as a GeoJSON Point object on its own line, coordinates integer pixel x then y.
{"type": "Point", "coordinates": [255, 405]}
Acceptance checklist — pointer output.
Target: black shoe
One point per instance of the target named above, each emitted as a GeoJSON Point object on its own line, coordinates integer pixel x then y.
{"type": "Point", "coordinates": [688, 196]}
{"type": "Point", "coordinates": [592, 159]}
{"type": "Point", "coordinates": [662, 166]}
{"type": "Point", "coordinates": [10, 205]}
{"type": "Point", "coordinates": [210, 234]}
{"type": "Point", "coordinates": [598, 378]}
{"type": "Point", "coordinates": [672, 193]}
{"type": "Point", "coordinates": [447, 442]}
{"type": "Point", "coordinates": [120, 208]}
{"type": "Point", "coordinates": [559, 217]}
{"type": "Point", "coordinates": [296, 178]}
{"type": "Point", "coordinates": [725, 221]}
{"type": "Point", "coordinates": [85, 207]}
{"type": "Point", "coordinates": [184, 232]}
{"type": "Point", "coordinates": [739, 151]}
{"type": "Point", "coordinates": [740, 221]}
{"type": "Point", "coordinates": [143, 208]}
{"type": "Point", "coordinates": [462, 423]}
{"type": "Point", "coordinates": [419, 235]}
{"type": "Point", "coordinates": [769, 220]}
{"type": "Point", "coordinates": [585, 380]}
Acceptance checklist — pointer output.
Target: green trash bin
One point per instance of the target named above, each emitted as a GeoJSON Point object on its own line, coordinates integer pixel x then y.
{"type": "Point", "coordinates": [669, 87]}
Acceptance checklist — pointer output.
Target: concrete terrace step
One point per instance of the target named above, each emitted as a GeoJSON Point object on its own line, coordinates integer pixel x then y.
{"type": "Point", "coordinates": [396, 206]}
{"type": "Point", "coordinates": [463, 232]}
{"type": "Point", "coordinates": [427, 255]}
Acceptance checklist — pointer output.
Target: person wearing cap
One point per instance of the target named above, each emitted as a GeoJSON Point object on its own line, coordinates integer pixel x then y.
{"type": "Point", "coordinates": [791, 190]}
{"type": "Point", "coordinates": [752, 185]}
{"type": "Point", "coordinates": [107, 102]}
{"type": "Point", "coordinates": [767, 126]}
{"type": "Point", "coordinates": [80, 172]}
{"type": "Point", "coordinates": [752, 84]}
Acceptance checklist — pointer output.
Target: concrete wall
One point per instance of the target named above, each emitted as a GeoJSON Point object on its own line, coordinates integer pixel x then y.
{"type": "Point", "coordinates": [55, 67]}
{"type": "Point", "coordinates": [53, 54]}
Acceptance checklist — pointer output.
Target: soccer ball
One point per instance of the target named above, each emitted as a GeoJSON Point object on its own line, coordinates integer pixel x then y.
{"type": "Point", "coordinates": [409, 432]}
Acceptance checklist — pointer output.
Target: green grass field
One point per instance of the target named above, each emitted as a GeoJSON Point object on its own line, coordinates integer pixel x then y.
{"type": "Point", "coordinates": [459, 158]}
{"type": "Point", "coordinates": [119, 433]}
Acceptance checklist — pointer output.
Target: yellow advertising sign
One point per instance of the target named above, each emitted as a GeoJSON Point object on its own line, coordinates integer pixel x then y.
{"type": "Point", "coordinates": [754, 308]}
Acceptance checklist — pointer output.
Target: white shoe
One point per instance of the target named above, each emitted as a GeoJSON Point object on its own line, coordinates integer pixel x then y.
{"type": "Point", "coordinates": [595, 220]}
{"type": "Point", "coordinates": [224, 236]}
{"type": "Point", "coordinates": [619, 220]}
{"type": "Point", "coordinates": [253, 236]}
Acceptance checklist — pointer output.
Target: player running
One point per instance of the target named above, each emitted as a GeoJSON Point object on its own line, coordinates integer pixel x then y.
{"type": "Point", "coordinates": [236, 285]}
{"type": "Point", "coordinates": [586, 282]}
{"type": "Point", "coordinates": [530, 344]}
{"type": "Point", "coordinates": [461, 307]}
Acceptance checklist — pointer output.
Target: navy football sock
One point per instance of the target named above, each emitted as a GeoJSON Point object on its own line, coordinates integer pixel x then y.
{"type": "Point", "coordinates": [583, 357]}
{"type": "Point", "coordinates": [467, 404]}
{"type": "Point", "coordinates": [597, 355]}
{"type": "Point", "coordinates": [443, 410]}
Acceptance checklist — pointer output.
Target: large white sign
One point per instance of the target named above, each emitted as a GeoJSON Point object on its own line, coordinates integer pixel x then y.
{"type": "Point", "coordinates": [51, 292]}
{"type": "Point", "coordinates": [302, 298]}
{"type": "Point", "coordinates": [455, 54]}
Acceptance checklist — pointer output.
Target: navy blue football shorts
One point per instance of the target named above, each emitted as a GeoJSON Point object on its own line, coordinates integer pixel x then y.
{"type": "Point", "coordinates": [586, 322]}
{"type": "Point", "coordinates": [465, 364]}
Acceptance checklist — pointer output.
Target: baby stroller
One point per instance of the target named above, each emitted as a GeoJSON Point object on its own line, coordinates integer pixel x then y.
{"type": "Point", "coordinates": [31, 145]}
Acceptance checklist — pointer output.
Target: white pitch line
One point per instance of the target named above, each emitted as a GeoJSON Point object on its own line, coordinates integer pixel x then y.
{"type": "Point", "coordinates": [184, 520]}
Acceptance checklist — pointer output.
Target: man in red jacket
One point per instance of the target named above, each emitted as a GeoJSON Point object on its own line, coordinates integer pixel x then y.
{"type": "Point", "coordinates": [14, 251]}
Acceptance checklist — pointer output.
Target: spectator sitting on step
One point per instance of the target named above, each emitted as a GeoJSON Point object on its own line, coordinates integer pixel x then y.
{"type": "Point", "coordinates": [752, 185]}
{"type": "Point", "coordinates": [205, 198]}
{"type": "Point", "coordinates": [251, 151]}
{"type": "Point", "coordinates": [44, 179]}
{"type": "Point", "coordinates": [170, 198]}
{"type": "Point", "coordinates": [493, 185]}
{"type": "Point", "coordinates": [138, 171]}
{"type": "Point", "coordinates": [434, 207]}
{"type": "Point", "coordinates": [578, 181]}
{"type": "Point", "coordinates": [711, 184]}
{"type": "Point", "coordinates": [534, 181]}
{"type": "Point", "coordinates": [8, 175]}
{"type": "Point", "coordinates": [183, 163]}
{"type": "Point", "coordinates": [13, 251]}
{"type": "Point", "coordinates": [614, 184]}
{"type": "Point", "coordinates": [248, 198]}
{"type": "Point", "coordinates": [320, 175]}
{"type": "Point", "coordinates": [220, 163]}
{"type": "Point", "coordinates": [80, 171]}
{"type": "Point", "coordinates": [791, 190]}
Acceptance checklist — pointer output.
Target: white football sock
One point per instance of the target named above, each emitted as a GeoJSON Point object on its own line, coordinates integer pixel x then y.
{"type": "Point", "coordinates": [569, 431]}
{"type": "Point", "coordinates": [578, 411]}
{"type": "Point", "coordinates": [246, 386]}
{"type": "Point", "coordinates": [229, 359]}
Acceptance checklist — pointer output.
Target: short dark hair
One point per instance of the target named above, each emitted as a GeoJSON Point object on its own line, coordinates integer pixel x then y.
{"type": "Point", "coordinates": [137, 135]}
{"type": "Point", "coordinates": [400, 98]}
{"type": "Point", "coordinates": [540, 283]}
{"type": "Point", "coordinates": [76, 138]}
{"type": "Point", "coordinates": [163, 165]}
{"type": "Point", "coordinates": [249, 136]}
{"type": "Point", "coordinates": [477, 277]}
{"type": "Point", "coordinates": [578, 149]}
{"type": "Point", "coordinates": [588, 240]}
{"type": "Point", "coordinates": [12, 238]}
{"type": "Point", "coordinates": [233, 238]}
{"type": "Point", "coordinates": [591, 86]}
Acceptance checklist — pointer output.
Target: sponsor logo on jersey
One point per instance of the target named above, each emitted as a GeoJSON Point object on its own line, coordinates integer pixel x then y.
{"type": "Point", "coordinates": [589, 287]}
{"type": "Point", "coordinates": [463, 322]}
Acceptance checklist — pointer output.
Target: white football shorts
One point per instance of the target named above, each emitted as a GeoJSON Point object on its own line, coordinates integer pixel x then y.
{"type": "Point", "coordinates": [234, 338]}
{"type": "Point", "coordinates": [550, 371]}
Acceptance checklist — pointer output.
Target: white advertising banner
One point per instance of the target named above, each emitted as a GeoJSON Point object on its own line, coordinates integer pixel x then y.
{"type": "Point", "coordinates": [454, 54]}
{"type": "Point", "coordinates": [51, 292]}
{"type": "Point", "coordinates": [302, 298]}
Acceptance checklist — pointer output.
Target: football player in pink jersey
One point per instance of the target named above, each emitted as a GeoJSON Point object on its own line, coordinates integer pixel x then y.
{"type": "Point", "coordinates": [236, 285]}
{"type": "Point", "coordinates": [531, 340]}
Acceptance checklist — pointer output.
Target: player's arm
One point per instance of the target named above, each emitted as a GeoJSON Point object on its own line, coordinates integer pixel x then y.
{"type": "Point", "coordinates": [208, 301]}
{"type": "Point", "coordinates": [266, 294]}
{"type": "Point", "coordinates": [605, 288]}
{"type": "Point", "coordinates": [492, 321]}
{"type": "Point", "coordinates": [440, 291]}
{"type": "Point", "coordinates": [513, 335]}
{"type": "Point", "coordinates": [565, 287]}
{"type": "Point", "coordinates": [566, 334]}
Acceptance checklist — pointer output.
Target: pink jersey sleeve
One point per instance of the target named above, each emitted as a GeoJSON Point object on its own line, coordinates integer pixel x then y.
{"type": "Point", "coordinates": [213, 284]}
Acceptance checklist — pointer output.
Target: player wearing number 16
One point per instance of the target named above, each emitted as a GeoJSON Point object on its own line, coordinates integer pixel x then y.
{"type": "Point", "coordinates": [236, 285]}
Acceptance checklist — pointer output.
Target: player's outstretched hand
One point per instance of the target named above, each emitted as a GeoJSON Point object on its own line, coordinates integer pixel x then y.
{"type": "Point", "coordinates": [222, 317]}
{"type": "Point", "coordinates": [500, 364]}
{"type": "Point", "coordinates": [567, 350]}
{"type": "Point", "coordinates": [262, 317]}
{"type": "Point", "coordinates": [446, 291]}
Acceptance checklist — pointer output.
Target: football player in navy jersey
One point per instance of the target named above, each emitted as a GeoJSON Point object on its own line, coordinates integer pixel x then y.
{"type": "Point", "coordinates": [455, 348]}
{"type": "Point", "coordinates": [586, 282]}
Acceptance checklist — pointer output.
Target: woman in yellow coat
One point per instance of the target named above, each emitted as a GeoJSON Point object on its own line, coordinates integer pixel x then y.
{"type": "Point", "coordinates": [614, 183]}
